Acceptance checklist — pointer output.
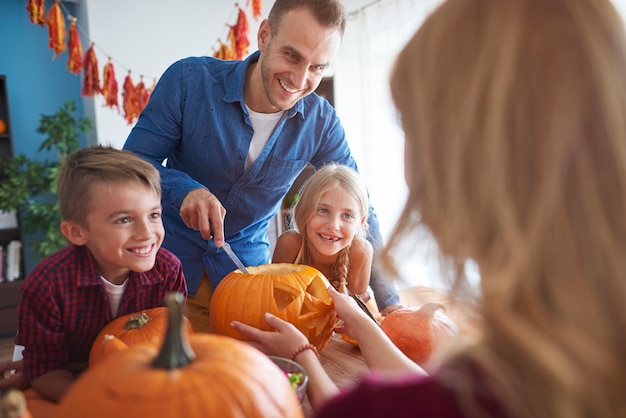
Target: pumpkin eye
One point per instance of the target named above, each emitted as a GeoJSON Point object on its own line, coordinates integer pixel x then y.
{"type": "Point", "coordinates": [284, 296]}
{"type": "Point", "coordinates": [317, 290]}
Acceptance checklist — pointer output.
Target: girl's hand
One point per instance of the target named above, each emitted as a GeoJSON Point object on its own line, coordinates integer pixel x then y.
{"type": "Point", "coordinates": [348, 311]}
{"type": "Point", "coordinates": [282, 343]}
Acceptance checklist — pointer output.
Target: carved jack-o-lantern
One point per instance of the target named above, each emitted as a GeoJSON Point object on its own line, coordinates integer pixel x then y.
{"type": "Point", "coordinates": [294, 292]}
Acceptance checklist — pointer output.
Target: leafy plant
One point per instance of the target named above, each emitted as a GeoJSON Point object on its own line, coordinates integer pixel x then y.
{"type": "Point", "coordinates": [29, 186]}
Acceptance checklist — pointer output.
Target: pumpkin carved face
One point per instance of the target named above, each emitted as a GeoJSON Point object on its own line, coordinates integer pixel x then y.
{"type": "Point", "coordinates": [295, 293]}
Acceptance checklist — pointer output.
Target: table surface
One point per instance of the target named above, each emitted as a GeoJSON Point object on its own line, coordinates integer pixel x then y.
{"type": "Point", "coordinates": [344, 364]}
{"type": "Point", "coordinates": [343, 361]}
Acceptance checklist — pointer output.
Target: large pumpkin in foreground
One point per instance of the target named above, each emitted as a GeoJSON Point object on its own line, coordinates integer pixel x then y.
{"type": "Point", "coordinates": [196, 376]}
{"type": "Point", "coordinates": [420, 332]}
{"type": "Point", "coordinates": [296, 293]}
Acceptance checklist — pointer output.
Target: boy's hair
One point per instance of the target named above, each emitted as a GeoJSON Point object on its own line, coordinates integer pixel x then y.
{"type": "Point", "coordinates": [327, 178]}
{"type": "Point", "coordinates": [329, 13]}
{"type": "Point", "coordinates": [102, 164]}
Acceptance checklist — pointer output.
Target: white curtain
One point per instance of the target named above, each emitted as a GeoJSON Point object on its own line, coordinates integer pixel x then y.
{"type": "Point", "coordinates": [374, 36]}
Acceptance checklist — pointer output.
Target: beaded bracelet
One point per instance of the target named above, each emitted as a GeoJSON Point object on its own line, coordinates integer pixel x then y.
{"type": "Point", "coordinates": [303, 348]}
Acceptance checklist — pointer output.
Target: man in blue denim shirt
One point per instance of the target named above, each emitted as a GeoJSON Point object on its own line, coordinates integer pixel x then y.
{"type": "Point", "coordinates": [236, 134]}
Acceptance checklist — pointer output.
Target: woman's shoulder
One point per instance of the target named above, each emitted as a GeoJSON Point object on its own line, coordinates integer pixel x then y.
{"type": "Point", "coordinates": [376, 396]}
{"type": "Point", "coordinates": [409, 396]}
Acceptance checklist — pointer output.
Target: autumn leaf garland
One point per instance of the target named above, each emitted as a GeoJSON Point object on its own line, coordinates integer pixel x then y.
{"type": "Point", "coordinates": [135, 97]}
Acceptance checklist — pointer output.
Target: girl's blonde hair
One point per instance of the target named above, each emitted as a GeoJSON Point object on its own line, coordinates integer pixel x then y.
{"type": "Point", "coordinates": [330, 177]}
{"type": "Point", "coordinates": [515, 120]}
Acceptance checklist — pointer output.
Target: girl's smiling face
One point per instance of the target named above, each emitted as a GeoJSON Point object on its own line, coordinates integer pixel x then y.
{"type": "Point", "coordinates": [335, 222]}
{"type": "Point", "coordinates": [124, 229]}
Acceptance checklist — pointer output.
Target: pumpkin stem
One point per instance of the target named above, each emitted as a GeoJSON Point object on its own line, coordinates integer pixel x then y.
{"type": "Point", "coordinates": [429, 309]}
{"type": "Point", "coordinates": [137, 321]}
{"type": "Point", "coordinates": [175, 351]}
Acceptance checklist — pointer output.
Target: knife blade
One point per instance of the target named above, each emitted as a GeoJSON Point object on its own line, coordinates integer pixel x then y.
{"type": "Point", "coordinates": [229, 251]}
{"type": "Point", "coordinates": [359, 301]}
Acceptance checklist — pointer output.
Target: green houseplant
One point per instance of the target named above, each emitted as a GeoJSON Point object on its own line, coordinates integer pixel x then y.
{"type": "Point", "coordinates": [29, 185]}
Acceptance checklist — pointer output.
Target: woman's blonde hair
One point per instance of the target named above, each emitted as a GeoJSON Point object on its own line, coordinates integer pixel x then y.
{"type": "Point", "coordinates": [330, 177]}
{"type": "Point", "coordinates": [515, 120]}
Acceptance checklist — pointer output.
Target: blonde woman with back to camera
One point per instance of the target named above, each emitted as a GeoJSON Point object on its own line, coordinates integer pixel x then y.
{"type": "Point", "coordinates": [514, 117]}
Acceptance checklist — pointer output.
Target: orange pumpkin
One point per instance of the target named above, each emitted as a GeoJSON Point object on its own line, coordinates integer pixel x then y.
{"type": "Point", "coordinates": [420, 332]}
{"type": "Point", "coordinates": [143, 327]}
{"type": "Point", "coordinates": [293, 292]}
{"type": "Point", "coordinates": [201, 375]}
{"type": "Point", "coordinates": [3, 127]}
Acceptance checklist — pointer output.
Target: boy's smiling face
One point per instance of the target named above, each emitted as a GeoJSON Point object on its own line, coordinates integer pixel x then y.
{"type": "Point", "coordinates": [123, 230]}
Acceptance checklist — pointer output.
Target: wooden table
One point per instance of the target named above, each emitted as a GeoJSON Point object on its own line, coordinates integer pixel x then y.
{"type": "Point", "coordinates": [343, 361]}
{"type": "Point", "coordinates": [344, 364]}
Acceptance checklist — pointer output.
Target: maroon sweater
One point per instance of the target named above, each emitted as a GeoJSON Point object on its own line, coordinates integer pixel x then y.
{"type": "Point", "coordinates": [408, 397]}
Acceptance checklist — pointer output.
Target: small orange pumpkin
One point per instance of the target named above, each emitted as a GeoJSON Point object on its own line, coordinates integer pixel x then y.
{"type": "Point", "coordinates": [197, 376]}
{"type": "Point", "coordinates": [147, 326]}
{"type": "Point", "coordinates": [296, 293]}
{"type": "Point", "coordinates": [420, 332]}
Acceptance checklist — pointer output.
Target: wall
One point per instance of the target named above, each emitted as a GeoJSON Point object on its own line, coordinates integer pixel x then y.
{"type": "Point", "coordinates": [36, 83]}
{"type": "Point", "coordinates": [143, 35]}
{"type": "Point", "coordinates": [146, 36]}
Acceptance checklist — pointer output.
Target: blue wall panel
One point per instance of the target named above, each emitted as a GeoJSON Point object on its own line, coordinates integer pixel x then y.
{"type": "Point", "coordinates": [36, 83]}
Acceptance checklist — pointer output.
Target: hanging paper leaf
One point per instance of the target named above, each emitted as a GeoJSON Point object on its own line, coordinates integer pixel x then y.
{"type": "Point", "coordinates": [56, 29]}
{"type": "Point", "coordinates": [224, 51]}
{"type": "Point", "coordinates": [257, 9]}
{"type": "Point", "coordinates": [131, 100]}
{"type": "Point", "coordinates": [75, 59]}
{"type": "Point", "coordinates": [142, 95]}
{"type": "Point", "coordinates": [91, 78]}
{"type": "Point", "coordinates": [109, 88]}
{"type": "Point", "coordinates": [145, 96]}
{"type": "Point", "coordinates": [37, 12]}
{"type": "Point", "coordinates": [231, 52]}
{"type": "Point", "coordinates": [240, 32]}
